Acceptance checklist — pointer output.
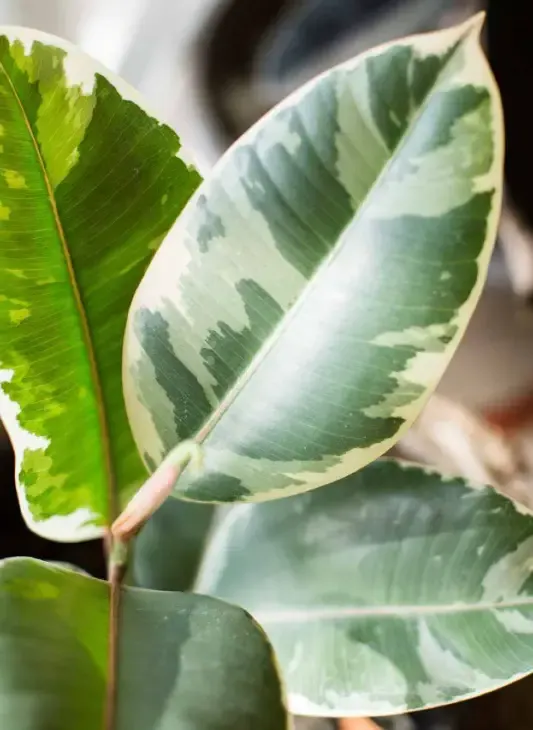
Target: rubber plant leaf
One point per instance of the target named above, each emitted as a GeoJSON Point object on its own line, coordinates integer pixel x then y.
{"type": "Point", "coordinates": [90, 183]}
{"type": "Point", "coordinates": [167, 551]}
{"type": "Point", "coordinates": [317, 284]}
{"type": "Point", "coordinates": [394, 589]}
{"type": "Point", "coordinates": [185, 661]}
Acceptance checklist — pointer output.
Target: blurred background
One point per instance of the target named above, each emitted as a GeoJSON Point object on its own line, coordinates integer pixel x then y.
{"type": "Point", "coordinates": [210, 68]}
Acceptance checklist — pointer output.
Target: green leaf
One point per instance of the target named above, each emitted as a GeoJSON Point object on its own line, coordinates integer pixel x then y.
{"type": "Point", "coordinates": [393, 589]}
{"type": "Point", "coordinates": [168, 549]}
{"type": "Point", "coordinates": [187, 662]}
{"type": "Point", "coordinates": [318, 283]}
{"type": "Point", "coordinates": [89, 185]}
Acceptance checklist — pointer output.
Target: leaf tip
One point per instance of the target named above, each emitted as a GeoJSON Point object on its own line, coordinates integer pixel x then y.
{"type": "Point", "coordinates": [474, 25]}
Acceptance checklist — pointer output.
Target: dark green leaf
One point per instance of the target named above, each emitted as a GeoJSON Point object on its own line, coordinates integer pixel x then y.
{"type": "Point", "coordinates": [186, 662]}
{"type": "Point", "coordinates": [168, 550]}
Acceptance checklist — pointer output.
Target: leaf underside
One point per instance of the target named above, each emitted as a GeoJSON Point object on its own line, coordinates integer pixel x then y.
{"type": "Point", "coordinates": [316, 286]}
{"type": "Point", "coordinates": [394, 589]}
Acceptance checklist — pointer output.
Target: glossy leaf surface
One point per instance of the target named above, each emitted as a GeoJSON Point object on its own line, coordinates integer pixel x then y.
{"type": "Point", "coordinates": [394, 589]}
{"type": "Point", "coordinates": [187, 662]}
{"type": "Point", "coordinates": [316, 286]}
{"type": "Point", "coordinates": [89, 185]}
{"type": "Point", "coordinates": [168, 550]}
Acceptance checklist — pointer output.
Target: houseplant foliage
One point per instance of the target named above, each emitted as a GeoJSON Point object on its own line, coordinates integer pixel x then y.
{"type": "Point", "coordinates": [54, 660]}
{"type": "Point", "coordinates": [90, 184]}
{"type": "Point", "coordinates": [391, 590]}
{"type": "Point", "coordinates": [287, 332]}
{"type": "Point", "coordinates": [314, 289]}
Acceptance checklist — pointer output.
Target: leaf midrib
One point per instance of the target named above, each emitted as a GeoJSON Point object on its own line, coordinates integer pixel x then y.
{"type": "Point", "coordinates": [284, 323]}
{"type": "Point", "coordinates": [78, 300]}
{"type": "Point", "coordinates": [327, 613]}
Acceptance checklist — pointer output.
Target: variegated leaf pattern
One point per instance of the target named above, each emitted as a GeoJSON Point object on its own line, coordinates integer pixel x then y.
{"type": "Point", "coordinates": [314, 289]}
{"type": "Point", "coordinates": [187, 662]}
{"type": "Point", "coordinates": [89, 185]}
{"type": "Point", "coordinates": [393, 589]}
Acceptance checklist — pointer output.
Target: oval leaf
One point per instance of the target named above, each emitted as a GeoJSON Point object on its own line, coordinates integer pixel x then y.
{"type": "Point", "coordinates": [394, 589]}
{"type": "Point", "coordinates": [185, 661]}
{"type": "Point", "coordinates": [313, 291]}
{"type": "Point", "coordinates": [89, 185]}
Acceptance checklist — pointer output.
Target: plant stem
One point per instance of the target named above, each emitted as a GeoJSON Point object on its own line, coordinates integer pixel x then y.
{"type": "Point", "coordinates": [151, 495]}
{"type": "Point", "coordinates": [117, 560]}
{"type": "Point", "coordinates": [155, 490]}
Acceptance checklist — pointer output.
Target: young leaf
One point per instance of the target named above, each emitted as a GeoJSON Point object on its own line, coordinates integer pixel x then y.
{"type": "Point", "coordinates": [89, 185]}
{"type": "Point", "coordinates": [317, 285]}
{"type": "Point", "coordinates": [185, 661]}
{"type": "Point", "coordinates": [394, 589]}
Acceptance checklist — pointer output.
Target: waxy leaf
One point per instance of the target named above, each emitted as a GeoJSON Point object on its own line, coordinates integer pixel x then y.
{"type": "Point", "coordinates": [89, 185]}
{"type": "Point", "coordinates": [393, 589]}
{"type": "Point", "coordinates": [187, 662]}
{"type": "Point", "coordinates": [168, 550]}
{"type": "Point", "coordinates": [314, 289]}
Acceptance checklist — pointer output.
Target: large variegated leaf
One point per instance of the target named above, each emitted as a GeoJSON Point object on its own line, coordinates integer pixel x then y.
{"type": "Point", "coordinates": [185, 661]}
{"type": "Point", "coordinates": [393, 589]}
{"type": "Point", "coordinates": [89, 185]}
{"type": "Point", "coordinates": [314, 289]}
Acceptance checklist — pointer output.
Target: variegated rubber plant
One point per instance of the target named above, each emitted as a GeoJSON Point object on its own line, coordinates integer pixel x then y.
{"type": "Point", "coordinates": [302, 305]}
